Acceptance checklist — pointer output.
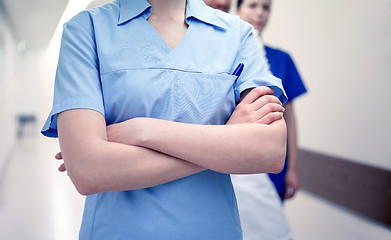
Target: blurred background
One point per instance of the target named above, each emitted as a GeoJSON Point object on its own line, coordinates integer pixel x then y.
{"type": "Point", "coordinates": [342, 50]}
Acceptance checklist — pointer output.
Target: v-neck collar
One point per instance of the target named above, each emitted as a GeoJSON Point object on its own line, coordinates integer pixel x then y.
{"type": "Point", "coordinates": [164, 44]}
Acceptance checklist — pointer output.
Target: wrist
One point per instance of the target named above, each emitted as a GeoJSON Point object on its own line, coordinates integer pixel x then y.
{"type": "Point", "coordinates": [139, 131]}
{"type": "Point", "coordinates": [292, 169]}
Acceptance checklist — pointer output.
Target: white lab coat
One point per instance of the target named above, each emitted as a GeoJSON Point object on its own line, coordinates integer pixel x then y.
{"type": "Point", "coordinates": [261, 214]}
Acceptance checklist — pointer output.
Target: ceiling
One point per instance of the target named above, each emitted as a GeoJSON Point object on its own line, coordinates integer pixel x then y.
{"type": "Point", "coordinates": [32, 21]}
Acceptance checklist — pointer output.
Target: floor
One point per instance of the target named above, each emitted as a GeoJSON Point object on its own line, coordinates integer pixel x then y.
{"type": "Point", "coordinates": [36, 201]}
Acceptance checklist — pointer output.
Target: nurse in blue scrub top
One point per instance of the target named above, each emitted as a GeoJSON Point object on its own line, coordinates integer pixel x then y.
{"type": "Point", "coordinates": [145, 112]}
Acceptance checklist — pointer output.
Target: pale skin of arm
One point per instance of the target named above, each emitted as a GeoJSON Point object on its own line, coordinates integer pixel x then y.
{"type": "Point", "coordinates": [95, 164]}
{"type": "Point", "coordinates": [292, 181]}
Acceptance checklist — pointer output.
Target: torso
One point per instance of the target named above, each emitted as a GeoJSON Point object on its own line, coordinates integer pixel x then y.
{"type": "Point", "coordinates": [145, 73]}
{"type": "Point", "coordinates": [136, 72]}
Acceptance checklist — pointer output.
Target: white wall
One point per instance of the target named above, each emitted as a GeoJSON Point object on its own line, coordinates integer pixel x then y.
{"type": "Point", "coordinates": [7, 89]}
{"type": "Point", "coordinates": [343, 52]}
{"type": "Point", "coordinates": [26, 87]}
{"type": "Point", "coordinates": [27, 78]}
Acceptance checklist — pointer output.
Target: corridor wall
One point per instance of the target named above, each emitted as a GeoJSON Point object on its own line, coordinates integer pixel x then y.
{"type": "Point", "coordinates": [342, 51]}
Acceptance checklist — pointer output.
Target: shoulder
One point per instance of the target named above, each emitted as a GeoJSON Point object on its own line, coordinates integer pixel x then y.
{"type": "Point", "coordinates": [86, 19]}
{"type": "Point", "coordinates": [277, 52]}
{"type": "Point", "coordinates": [230, 23]}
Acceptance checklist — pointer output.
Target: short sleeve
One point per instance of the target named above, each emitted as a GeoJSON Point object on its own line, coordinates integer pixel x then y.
{"type": "Point", "coordinates": [77, 83]}
{"type": "Point", "coordinates": [255, 72]}
{"type": "Point", "coordinates": [293, 85]}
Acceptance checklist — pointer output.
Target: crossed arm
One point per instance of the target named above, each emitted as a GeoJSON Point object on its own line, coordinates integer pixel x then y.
{"type": "Point", "coordinates": [145, 152]}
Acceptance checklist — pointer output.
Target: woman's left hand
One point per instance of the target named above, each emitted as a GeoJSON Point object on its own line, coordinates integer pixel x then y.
{"type": "Point", "coordinates": [258, 106]}
{"type": "Point", "coordinates": [128, 132]}
{"type": "Point", "coordinates": [292, 184]}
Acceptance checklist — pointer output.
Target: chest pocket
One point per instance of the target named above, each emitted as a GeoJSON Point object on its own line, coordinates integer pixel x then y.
{"type": "Point", "coordinates": [168, 94]}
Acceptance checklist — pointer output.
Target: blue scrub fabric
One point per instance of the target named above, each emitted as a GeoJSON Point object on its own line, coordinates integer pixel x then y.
{"type": "Point", "coordinates": [282, 66]}
{"type": "Point", "coordinates": [114, 62]}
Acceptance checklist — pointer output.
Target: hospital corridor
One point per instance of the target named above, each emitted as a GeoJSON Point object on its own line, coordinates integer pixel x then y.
{"type": "Point", "coordinates": [343, 53]}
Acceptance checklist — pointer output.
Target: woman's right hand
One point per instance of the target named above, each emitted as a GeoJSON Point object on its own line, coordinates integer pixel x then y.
{"type": "Point", "coordinates": [258, 106]}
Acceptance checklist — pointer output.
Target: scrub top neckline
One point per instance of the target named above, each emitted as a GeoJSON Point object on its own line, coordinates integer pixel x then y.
{"type": "Point", "coordinates": [163, 42]}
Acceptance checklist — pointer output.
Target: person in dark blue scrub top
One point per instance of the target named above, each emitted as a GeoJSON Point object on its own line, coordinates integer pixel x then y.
{"type": "Point", "coordinates": [145, 109]}
{"type": "Point", "coordinates": [256, 12]}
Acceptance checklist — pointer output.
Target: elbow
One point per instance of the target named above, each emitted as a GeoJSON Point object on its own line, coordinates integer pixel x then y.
{"type": "Point", "coordinates": [278, 161]}
{"type": "Point", "coordinates": [270, 160]}
{"type": "Point", "coordinates": [86, 191]}
{"type": "Point", "coordinates": [83, 176]}
{"type": "Point", "coordinates": [84, 186]}
{"type": "Point", "coordinates": [279, 153]}
{"type": "Point", "coordinates": [83, 183]}
{"type": "Point", "coordinates": [274, 160]}
{"type": "Point", "coordinates": [277, 147]}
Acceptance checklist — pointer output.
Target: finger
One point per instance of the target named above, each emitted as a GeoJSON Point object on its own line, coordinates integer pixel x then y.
{"type": "Point", "coordinates": [269, 108]}
{"type": "Point", "coordinates": [62, 168]}
{"type": "Point", "coordinates": [58, 156]}
{"type": "Point", "coordinates": [257, 93]}
{"type": "Point", "coordinates": [262, 101]}
{"type": "Point", "coordinates": [270, 118]}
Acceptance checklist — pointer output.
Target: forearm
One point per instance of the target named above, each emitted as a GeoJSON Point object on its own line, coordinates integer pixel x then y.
{"type": "Point", "coordinates": [292, 136]}
{"type": "Point", "coordinates": [253, 141]}
{"type": "Point", "coordinates": [96, 165]}
{"type": "Point", "coordinates": [237, 148]}
{"type": "Point", "coordinates": [292, 150]}
{"type": "Point", "coordinates": [118, 167]}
